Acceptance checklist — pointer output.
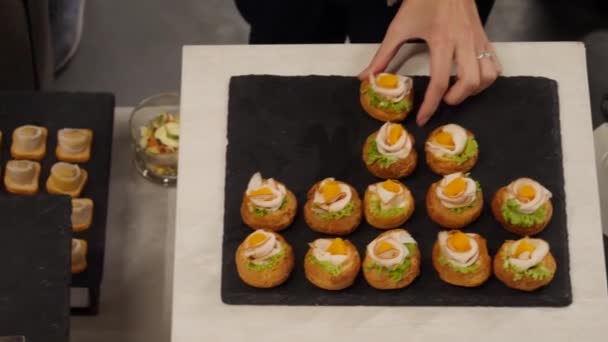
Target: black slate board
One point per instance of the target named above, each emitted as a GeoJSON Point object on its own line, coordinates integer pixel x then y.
{"type": "Point", "coordinates": [35, 258]}
{"type": "Point", "coordinates": [300, 130]}
{"type": "Point", "coordinates": [75, 110]}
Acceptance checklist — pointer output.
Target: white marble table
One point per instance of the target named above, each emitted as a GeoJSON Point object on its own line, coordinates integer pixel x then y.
{"type": "Point", "coordinates": [198, 313]}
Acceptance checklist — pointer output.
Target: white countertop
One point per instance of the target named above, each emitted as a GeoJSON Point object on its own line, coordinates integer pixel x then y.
{"type": "Point", "coordinates": [198, 313]}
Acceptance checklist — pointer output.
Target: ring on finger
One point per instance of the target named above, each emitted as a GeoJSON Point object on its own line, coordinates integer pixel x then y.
{"type": "Point", "coordinates": [484, 54]}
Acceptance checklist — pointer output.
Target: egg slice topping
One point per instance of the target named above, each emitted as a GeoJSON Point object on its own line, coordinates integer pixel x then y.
{"type": "Point", "coordinates": [526, 253]}
{"type": "Point", "coordinates": [450, 140]}
{"type": "Point", "coordinates": [260, 246]}
{"type": "Point", "coordinates": [330, 250]}
{"type": "Point", "coordinates": [332, 195]}
{"type": "Point", "coordinates": [390, 86]}
{"type": "Point", "coordinates": [265, 193]}
{"type": "Point", "coordinates": [456, 190]}
{"type": "Point", "coordinates": [393, 140]}
{"type": "Point", "coordinates": [459, 248]}
{"type": "Point", "coordinates": [529, 194]}
{"type": "Point", "coordinates": [389, 250]}
{"type": "Point", "coordinates": [391, 194]}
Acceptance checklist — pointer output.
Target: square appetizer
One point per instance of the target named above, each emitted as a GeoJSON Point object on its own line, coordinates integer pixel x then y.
{"type": "Point", "coordinates": [21, 177]}
{"type": "Point", "coordinates": [79, 256]}
{"type": "Point", "coordinates": [74, 145]}
{"type": "Point", "coordinates": [82, 214]}
{"type": "Point", "coordinates": [29, 142]}
{"type": "Point", "coordinates": [66, 179]}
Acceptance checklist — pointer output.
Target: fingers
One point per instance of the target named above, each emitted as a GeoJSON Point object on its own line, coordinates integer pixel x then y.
{"type": "Point", "coordinates": [388, 49]}
{"type": "Point", "coordinates": [396, 35]}
{"type": "Point", "coordinates": [383, 57]}
{"type": "Point", "coordinates": [488, 74]}
{"type": "Point", "coordinates": [441, 63]}
{"type": "Point", "coordinates": [468, 75]}
{"type": "Point", "coordinates": [489, 69]}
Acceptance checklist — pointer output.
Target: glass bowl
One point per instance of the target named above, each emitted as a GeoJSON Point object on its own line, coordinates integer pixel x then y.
{"type": "Point", "coordinates": [158, 167]}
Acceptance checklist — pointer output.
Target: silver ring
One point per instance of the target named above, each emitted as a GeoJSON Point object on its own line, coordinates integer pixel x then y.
{"type": "Point", "coordinates": [484, 54]}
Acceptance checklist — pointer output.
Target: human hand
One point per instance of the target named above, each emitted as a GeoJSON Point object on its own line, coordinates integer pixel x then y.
{"type": "Point", "coordinates": [454, 33]}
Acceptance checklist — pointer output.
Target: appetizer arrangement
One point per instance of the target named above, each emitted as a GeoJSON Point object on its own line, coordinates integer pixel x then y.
{"type": "Point", "coordinates": [389, 153]}
{"type": "Point", "coordinates": [74, 145]}
{"type": "Point", "coordinates": [387, 204]}
{"type": "Point", "coordinates": [332, 264]}
{"type": "Point", "coordinates": [523, 207]}
{"type": "Point", "coordinates": [66, 179]}
{"type": "Point", "coordinates": [393, 259]}
{"type": "Point", "coordinates": [451, 148]}
{"type": "Point", "coordinates": [22, 175]}
{"type": "Point", "coordinates": [267, 204]}
{"type": "Point", "coordinates": [82, 214]}
{"type": "Point", "coordinates": [79, 255]}
{"type": "Point", "coordinates": [264, 259]}
{"type": "Point", "coordinates": [461, 259]}
{"type": "Point", "coordinates": [333, 207]}
{"type": "Point", "coordinates": [29, 142]}
{"type": "Point", "coordinates": [387, 97]}
{"type": "Point", "coordinates": [525, 264]}
{"type": "Point", "coordinates": [159, 144]}
{"type": "Point", "coordinates": [455, 201]}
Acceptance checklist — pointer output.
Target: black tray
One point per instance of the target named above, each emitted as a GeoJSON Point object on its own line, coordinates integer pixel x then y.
{"type": "Point", "coordinates": [35, 254]}
{"type": "Point", "coordinates": [302, 129]}
{"type": "Point", "coordinates": [74, 110]}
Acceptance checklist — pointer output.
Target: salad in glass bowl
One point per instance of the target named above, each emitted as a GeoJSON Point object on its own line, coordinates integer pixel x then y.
{"type": "Point", "coordinates": [155, 131]}
{"type": "Point", "coordinates": [161, 136]}
{"type": "Point", "coordinates": [159, 142]}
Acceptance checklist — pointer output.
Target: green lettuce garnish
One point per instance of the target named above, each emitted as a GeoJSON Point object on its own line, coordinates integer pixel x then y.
{"type": "Point", "coordinates": [259, 211]}
{"type": "Point", "coordinates": [373, 155]}
{"type": "Point", "coordinates": [466, 270]}
{"type": "Point", "coordinates": [512, 214]}
{"type": "Point", "coordinates": [263, 212]}
{"type": "Point", "coordinates": [336, 215]}
{"type": "Point", "coordinates": [378, 101]}
{"type": "Point", "coordinates": [470, 149]}
{"type": "Point", "coordinates": [326, 265]}
{"type": "Point", "coordinates": [460, 210]}
{"type": "Point", "coordinates": [398, 271]}
{"type": "Point", "coordinates": [536, 272]}
{"type": "Point", "coordinates": [268, 264]}
{"type": "Point", "coordinates": [377, 211]}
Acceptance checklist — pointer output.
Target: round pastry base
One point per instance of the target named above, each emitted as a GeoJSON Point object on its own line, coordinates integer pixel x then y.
{"type": "Point", "coordinates": [142, 168]}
